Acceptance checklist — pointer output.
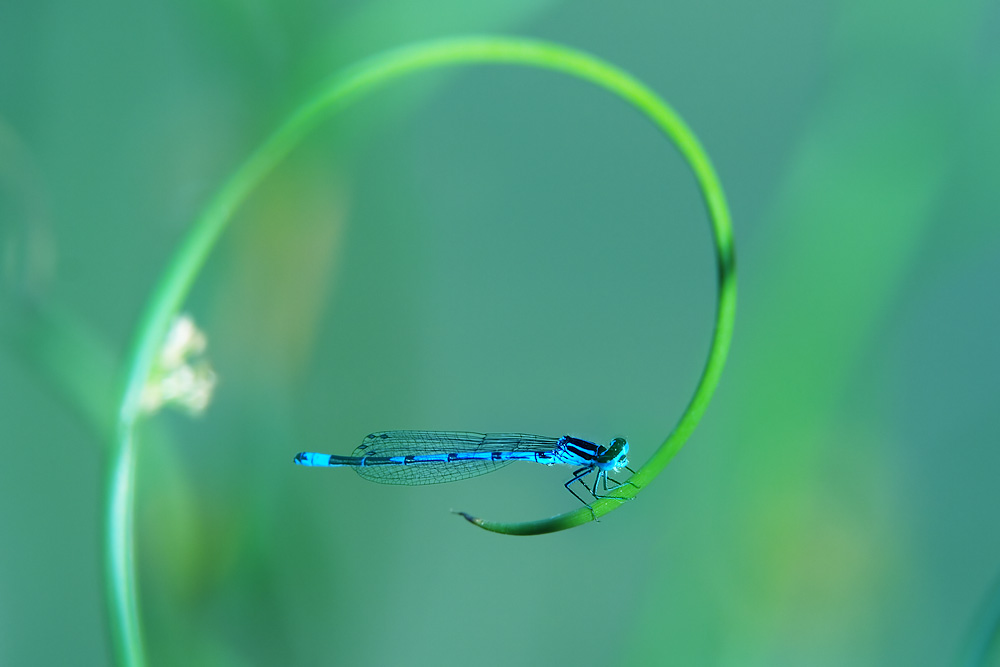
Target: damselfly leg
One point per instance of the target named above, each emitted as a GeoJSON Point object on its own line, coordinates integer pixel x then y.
{"type": "Point", "coordinates": [578, 476]}
{"type": "Point", "coordinates": [601, 478]}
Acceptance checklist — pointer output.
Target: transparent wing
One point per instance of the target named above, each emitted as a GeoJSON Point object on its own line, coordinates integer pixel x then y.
{"type": "Point", "coordinates": [424, 443]}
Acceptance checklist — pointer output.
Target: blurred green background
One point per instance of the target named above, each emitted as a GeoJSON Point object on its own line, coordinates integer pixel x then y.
{"type": "Point", "coordinates": [504, 249]}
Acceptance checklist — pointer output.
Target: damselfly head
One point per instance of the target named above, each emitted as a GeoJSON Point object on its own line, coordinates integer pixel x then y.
{"type": "Point", "coordinates": [617, 453]}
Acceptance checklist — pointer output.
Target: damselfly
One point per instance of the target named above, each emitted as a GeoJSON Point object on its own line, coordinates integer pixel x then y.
{"type": "Point", "coordinates": [433, 457]}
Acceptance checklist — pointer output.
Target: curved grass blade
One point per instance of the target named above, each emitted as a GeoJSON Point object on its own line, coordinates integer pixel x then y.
{"type": "Point", "coordinates": [187, 262]}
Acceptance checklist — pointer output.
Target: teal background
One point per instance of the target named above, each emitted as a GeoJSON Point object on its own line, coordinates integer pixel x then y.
{"type": "Point", "coordinates": [503, 249]}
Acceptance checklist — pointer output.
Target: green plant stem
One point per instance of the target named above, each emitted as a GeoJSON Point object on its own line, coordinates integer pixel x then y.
{"type": "Point", "coordinates": [636, 94]}
{"type": "Point", "coordinates": [176, 282]}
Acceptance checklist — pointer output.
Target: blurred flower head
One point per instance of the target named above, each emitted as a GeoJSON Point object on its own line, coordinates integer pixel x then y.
{"type": "Point", "coordinates": [182, 375]}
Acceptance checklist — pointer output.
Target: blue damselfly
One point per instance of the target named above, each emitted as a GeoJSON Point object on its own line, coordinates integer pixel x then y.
{"type": "Point", "coordinates": [433, 457]}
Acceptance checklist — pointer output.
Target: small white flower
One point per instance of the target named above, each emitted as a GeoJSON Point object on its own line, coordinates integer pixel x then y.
{"type": "Point", "coordinates": [182, 376]}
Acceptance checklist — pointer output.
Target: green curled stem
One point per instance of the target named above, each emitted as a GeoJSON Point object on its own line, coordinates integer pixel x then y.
{"type": "Point", "coordinates": [642, 98]}
{"type": "Point", "coordinates": [351, 84]}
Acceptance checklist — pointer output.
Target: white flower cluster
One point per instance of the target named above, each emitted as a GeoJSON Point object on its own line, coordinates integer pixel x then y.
{"type": "Point", "coordinates": [182, 376]}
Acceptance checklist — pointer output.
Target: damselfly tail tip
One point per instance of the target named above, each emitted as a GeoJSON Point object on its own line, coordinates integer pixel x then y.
{"type": "Point", "coordinates": [468, 517]}
{"type": "Point", "coordinates": [302, 458]}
